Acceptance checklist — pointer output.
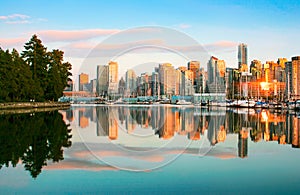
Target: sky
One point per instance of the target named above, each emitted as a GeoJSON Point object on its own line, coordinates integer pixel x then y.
{"type": "Point", "coordinates": [270, 29]}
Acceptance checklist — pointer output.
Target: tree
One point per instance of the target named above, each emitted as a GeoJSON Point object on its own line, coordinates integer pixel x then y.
{"type": "Point", "coordinates": [5, 61]}
{"type": "Point", "coordinates": [58, 75]}
{"type": "Point", "coordinates": [23, 78]}
{"type": "Point", "coordinates": [35, 55]}
{"type": "Point", "coordinates": [36, 74]}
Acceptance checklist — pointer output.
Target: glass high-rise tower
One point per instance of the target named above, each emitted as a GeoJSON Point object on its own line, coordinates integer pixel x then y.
{"type": "Point", "coordinates": [242, 55]}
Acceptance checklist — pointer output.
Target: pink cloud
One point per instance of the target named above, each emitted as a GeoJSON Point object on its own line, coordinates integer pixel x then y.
{"type": "Point", "coordinates": [221, 45]}
{"type": "Point", "coordinates": [8, 43]}
{"type": "Point", "coordinates": [74, 35]}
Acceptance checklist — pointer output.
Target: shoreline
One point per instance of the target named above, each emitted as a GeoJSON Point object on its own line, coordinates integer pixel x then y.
{"type": "Point", "coordinates": [27, 107]}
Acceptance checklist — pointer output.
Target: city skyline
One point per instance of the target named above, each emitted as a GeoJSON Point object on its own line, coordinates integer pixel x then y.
{"type": "Point", "coordinates": [256, 23]}
{"type": "Point", "coordinates": [271, 79]}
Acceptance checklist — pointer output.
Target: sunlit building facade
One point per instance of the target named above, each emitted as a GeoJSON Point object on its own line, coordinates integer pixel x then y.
{"type": "Point", "coordinates": [113, 77]}
{"type": "Point", "coordinates": [83, 81]}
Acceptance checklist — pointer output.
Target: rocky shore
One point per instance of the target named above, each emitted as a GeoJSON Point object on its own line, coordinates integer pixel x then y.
{"type": "Point", "coordinates": [29, 107]}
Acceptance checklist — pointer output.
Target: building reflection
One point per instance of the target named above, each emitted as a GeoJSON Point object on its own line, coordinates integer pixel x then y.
{"type": "Point", "coordinates": [192, 123]}
{"type": "Point", "coordinates": [243, 142]}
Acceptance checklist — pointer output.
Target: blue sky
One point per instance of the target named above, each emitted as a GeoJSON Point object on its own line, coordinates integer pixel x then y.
{"type": "Point", "coordinates": [270, 28]}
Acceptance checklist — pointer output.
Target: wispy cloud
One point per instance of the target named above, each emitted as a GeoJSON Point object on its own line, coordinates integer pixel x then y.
{"type": "Point", "coordinates": [74, 35]}
{"type": "Point", "coordinates": [15, 19]}
{"type": "Point", "coordinates": [221, 46]}
{"type": "Point", "coordinates": [8, 43]}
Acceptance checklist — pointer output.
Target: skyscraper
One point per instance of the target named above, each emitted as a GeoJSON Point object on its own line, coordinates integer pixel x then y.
{"type": "Point", "coordinates": [83, 81]}
{"type": "Point", "coordinates": [113, 77]}
{"type": "Point", "coordinates": [216, 75]}
{"type": "Point", "coordinates": [242, 55]}
{"type": "Point", "coordinates": [194, 66]}
{"type": "Point", "coordinates": [102, 80]}
{"type": "Point", "coordinates": [168, 79]}
{"type": "Point", "coordinates": [292, 77]}
{"type": "Point", "coordinates": [130, 82]}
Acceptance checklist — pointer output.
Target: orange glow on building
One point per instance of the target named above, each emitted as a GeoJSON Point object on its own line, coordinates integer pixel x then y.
{"type": "Point", "coordinates": [265, 86]}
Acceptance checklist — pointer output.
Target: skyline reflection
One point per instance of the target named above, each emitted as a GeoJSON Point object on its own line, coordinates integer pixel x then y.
{"type": "Point", "coordinates": [194, 123]}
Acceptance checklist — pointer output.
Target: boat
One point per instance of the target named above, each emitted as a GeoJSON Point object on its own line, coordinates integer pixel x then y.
{"type": "Point", "coordinates": [119, 101]}
{"type": "Point", "coordinates": [183, 102]}
{"type": "Point", "coordinates": [247, 104]}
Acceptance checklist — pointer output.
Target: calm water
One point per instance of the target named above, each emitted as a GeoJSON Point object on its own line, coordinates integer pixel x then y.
{"type": "Point", "coordinates": [149, 149]}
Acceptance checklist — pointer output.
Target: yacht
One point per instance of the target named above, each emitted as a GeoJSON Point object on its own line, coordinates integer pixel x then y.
{"type": "Point", "coordinates": [183, 102]}
{"type": "Point", "coordinates": [247, 104]}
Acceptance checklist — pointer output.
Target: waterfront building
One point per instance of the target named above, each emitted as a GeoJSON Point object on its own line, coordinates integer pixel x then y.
{"type": "Point", "coordinates": [130, 83]}
{"type": "Point", "coordinates": [168, 78]}
{"type": "Point", "coordinates": [102, 80]}
{"type": "Point", "coordinates": [121, 88]}
{"type": "Point", "coordinates": [256, 69]}
{"type": "Point", "coordinates": [83, 81]}
{"type": "Point", "coordinates": [186, 84]}
{"type": "Point", "coordinates": [154, 83]}
{"type": "Point", "coordinates": [113, 78]}
{"type": "Point", "coordinates": [93, 86]}
{"type": "Point", "coordinates": [216, 75]}
{"type": "Point", "coordinates": [293, 78]}
{"type": "Point", "coordinates": [242, 56]}
{"type": "Point", "coordinates": [194, 66]}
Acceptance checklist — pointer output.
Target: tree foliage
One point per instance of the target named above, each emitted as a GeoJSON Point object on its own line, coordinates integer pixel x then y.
{"type": "Point", "coordinates": [37, 74]}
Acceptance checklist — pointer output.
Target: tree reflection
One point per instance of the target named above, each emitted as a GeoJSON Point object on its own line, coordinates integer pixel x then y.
{"type": "Point", "coordinates": [33, 139]}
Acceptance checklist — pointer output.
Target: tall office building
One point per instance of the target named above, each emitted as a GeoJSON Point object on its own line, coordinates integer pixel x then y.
{"type": "Point", "coordinates": [130, 83]}
{"type": "Point", "coordinates": [155, 84]}
{"type": "Point", "coordinates": [242, 55]}
{"type": "Point", "coordinates": [186, 81]}
{"type": "Point", "coordinates": [194, 66]}
{"type": "Point", "coordinates": [256, 69]}
{"type": "Point", "coordinates": [211, 69]}
{"type": "Point", "coordinates": [281, 62]}
{"type": "Point", "coordinates": [168, 78]}
{"type": "Point", "coordinates": [83, 81]}
{"type": "Point", "coordinates": [216, 75]}
{"type": "Point", "coordinates": [113, 77]}
{"type": "Point", "coordinates": [121, 89]}
{"type": "Point", "coordinates": [102, 80]}
{"type": "Point", "coordinates": [292, 70]}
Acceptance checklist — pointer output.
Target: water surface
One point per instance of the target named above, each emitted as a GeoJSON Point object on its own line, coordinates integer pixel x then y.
{"type": "Point", "coordinates": [149, 149]}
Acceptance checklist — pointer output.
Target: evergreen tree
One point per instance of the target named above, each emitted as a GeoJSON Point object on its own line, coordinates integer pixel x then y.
{"type": "Point", "coordinates": [23, 78]}
{"type": "Point", "coordinates": [4, 75]}
{"type": "Point", "coordinates": [36, 74]}
{"type": "Point", "coordinates": [58, 75]}
{"type": "Point", "coordinates": [35, 55]}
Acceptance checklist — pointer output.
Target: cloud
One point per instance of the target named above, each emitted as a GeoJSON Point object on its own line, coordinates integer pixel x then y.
{"type": "Point", "coordinates": [15, 19]}
{"type": "Point", "coordinates": [74, 35]}
{"type": "Point", "coordinates": [8, 43]}
{"type": "Point", "coordinates": [222, 46]}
